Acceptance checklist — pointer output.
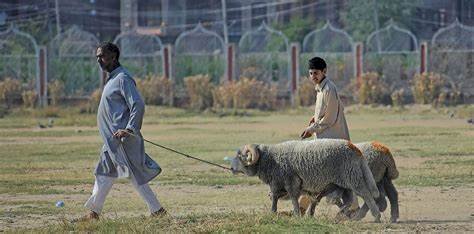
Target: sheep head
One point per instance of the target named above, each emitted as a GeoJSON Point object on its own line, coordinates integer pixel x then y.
{"type": "Point", "coordinates": [243, 162]}
{"type": "Point", "coordinates": [249, 155]}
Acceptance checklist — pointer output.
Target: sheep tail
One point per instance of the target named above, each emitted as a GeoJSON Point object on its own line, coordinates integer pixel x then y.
{"type": "Point", "coordinates": [387, 159]}
{"type": "Point", "coordinates": [369, 179]}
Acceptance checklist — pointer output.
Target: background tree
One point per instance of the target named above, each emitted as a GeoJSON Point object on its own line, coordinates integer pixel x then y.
{"type": "Point", "coordinates": [362, 16]}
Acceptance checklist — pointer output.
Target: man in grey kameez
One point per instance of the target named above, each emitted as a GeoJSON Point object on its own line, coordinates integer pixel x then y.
{"type": "Point", "coordinates": [119, 119]}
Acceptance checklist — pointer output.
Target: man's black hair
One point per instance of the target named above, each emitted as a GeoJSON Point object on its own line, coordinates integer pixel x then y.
{"type": "Point", "coordinates": [317, 63]}
{"type": "Point", "coordinates": [110, 47]}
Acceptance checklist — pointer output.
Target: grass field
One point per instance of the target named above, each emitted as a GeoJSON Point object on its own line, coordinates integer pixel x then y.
{"type": "Point", "coordinates": [433, 148]}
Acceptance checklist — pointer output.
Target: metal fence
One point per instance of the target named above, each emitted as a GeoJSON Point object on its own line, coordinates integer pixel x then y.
{"type": "Point", "coordinates": [19, 57]}
{"type": "Point", "coordinates": [141, 54]}
{"type": "Point", "coordinates": [337, 48]}
{"type": "Point", "coordinates": [199, 51]}
{"type": "Point", "coordinates": [262, 54]}
{"type": "Point", "coordinates": [452, 54]}
{"type": "Point", "coordinates": [393, 53]}
{"type": "Point", "coordinates": [71, 60]}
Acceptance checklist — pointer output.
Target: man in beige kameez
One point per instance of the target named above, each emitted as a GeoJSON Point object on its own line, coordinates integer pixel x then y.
{"type": "Point", "coordinates": [328, 120]}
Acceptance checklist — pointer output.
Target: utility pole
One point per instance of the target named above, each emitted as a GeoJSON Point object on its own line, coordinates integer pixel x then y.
{"type": "Point", "coordinates": [224, 19]}
{"type": "Point", "coordinates": [376, 20]}
{"type": "Point", "coordinates": [56, 6]}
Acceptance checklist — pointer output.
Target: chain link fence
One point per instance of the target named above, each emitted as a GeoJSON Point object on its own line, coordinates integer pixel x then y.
{"type": "Point", "coordinates": [71, 60]}
{"type": "Point", "coordinates": [18, 56]}
{"type": "Point", "coordinates": [141, 54]}
{"type": "Point", "coordinates": [263, 55]}
{"type": "Point", "coordinates": [392, 52]}
{"type": "Point", "coordinates": [337, 48]}
{"type": "Point", "coordinates": [452, 55]}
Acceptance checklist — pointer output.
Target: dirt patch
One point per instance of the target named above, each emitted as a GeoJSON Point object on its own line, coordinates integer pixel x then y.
{"type": "Point", "coordinates": [412, 162]}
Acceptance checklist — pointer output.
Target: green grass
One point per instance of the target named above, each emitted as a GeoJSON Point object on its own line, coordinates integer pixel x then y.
{"type": "Point", "coordinates": [232, 222]}
{"type": "Point", "coordinates": [57, 163]}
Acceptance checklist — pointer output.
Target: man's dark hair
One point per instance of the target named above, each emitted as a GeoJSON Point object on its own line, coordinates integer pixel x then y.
{"type": "Point", "coordinates": [317, 63]}
{"type": "Point", "coordinates": [110, 47]}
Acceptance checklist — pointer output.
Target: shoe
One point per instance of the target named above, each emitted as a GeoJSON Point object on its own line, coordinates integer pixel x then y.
{"type": "Point", "coordinates": [92, 216]}
{"type": "Point", "coordinates": [160, 213]}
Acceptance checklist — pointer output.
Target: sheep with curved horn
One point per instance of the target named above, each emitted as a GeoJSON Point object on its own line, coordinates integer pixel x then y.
{"type": "Point", "coordinates": [308, 167]}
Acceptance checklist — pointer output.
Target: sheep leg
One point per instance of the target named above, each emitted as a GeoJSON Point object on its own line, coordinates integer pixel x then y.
{"type": "Point", "coordinates": [345, 206]}
{"type": "Point", "coordinates": [392, 195]}
{"type": "Point", "coordinates": [293, 187]}
{"type": "Point", "coordinates": [274, 203]}
{"type": "Point", "coordinates": [331, 189]}
{"type": "Point", "coordinates": [275, 196]}
{"type": "Point", "coordinates": [369, 200]}
{"type": "Point", "coordinates": [296, 206]}
{"type": "Point", "coordinates": [381, 202]}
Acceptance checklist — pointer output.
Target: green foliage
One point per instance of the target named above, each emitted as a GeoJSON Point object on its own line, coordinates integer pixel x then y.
{"type": "Point", "coordinates": [271, 67]}
{"type": "Point", "coordinates": [188, 65]}
{"type": "Point", "coordinates": [141, 67]}
{"type": "Point", "coordinates": [296, 29]}
{"type": "Point", "coordinates": [359, 18]}
{"type": "Point", "coordinates": [80, 76]}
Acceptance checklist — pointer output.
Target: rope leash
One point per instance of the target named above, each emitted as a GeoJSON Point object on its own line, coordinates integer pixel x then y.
{"type": "Point", "coordinates": [177, 152]}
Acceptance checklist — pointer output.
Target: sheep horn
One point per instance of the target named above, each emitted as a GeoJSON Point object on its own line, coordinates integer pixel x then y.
{"type": "Point", "coordinates": [254, 154]}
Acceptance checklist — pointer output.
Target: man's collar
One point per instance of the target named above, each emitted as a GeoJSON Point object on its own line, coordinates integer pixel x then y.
{"type": "Point", "coordinates": [114, 72]}
{"type": "Point", "coordinates": [321, 85]}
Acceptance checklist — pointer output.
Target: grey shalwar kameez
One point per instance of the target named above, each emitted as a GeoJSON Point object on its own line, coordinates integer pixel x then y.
{"type": "Point", "coordinates": [121, 107]}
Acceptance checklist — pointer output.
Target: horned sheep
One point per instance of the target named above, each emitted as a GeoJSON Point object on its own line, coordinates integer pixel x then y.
{"type": "Point", "coordinates": [309, 167]}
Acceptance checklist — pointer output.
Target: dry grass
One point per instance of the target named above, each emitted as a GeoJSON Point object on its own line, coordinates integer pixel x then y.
{"type": "Point", "coordinates": [40, 166]}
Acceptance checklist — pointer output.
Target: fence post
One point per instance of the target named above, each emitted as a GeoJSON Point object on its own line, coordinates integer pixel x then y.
{"type": "Point", "coordinates": [168, 62]}
{"type": "Point", "coordinates": [295, 71]}
{"type": "Point", "coordinates": [42, 82]}
{"type": "Point", "coordinates": [424, 57]}
{"type": "Point", "coordinates": [359, 61]}
{"type": "Point", "coordinates": [230, 62]}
